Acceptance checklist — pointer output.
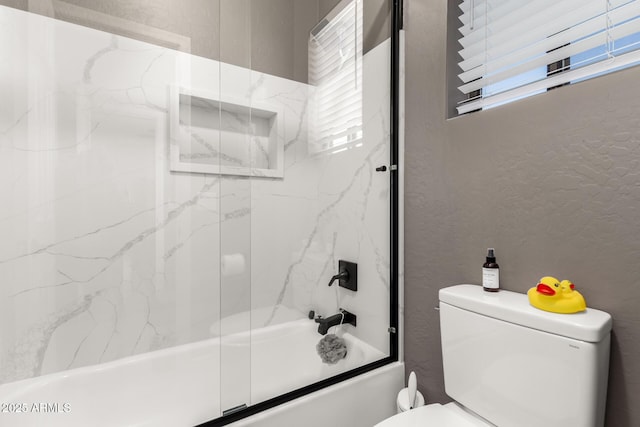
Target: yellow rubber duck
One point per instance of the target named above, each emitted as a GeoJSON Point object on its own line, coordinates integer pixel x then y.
{"type": "Point", "coordinates": [557, 297]}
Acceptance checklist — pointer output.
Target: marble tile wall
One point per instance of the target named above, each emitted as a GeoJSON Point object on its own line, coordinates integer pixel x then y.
{"type": "Point", "coordinates": [106, 253]}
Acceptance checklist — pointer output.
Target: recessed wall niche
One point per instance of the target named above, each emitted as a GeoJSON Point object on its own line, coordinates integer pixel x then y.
{"type": "Point", "coordinates": [226, 137]}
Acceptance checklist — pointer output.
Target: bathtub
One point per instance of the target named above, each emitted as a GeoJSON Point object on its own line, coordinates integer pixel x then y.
{"type": "Point", "coordinates": [181, 386]}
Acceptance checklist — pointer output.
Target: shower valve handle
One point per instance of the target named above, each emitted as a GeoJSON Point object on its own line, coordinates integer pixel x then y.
{"type": "Point", "coordinates": [344, 275]}
{"type": "Point", "coordinates": [347, 276]}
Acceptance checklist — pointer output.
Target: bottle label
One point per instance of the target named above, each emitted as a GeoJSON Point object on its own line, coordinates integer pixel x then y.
{"type": "Point", "coordinates": [491, 278]}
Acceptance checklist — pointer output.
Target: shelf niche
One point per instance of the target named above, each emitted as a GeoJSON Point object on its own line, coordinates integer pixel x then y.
{"type": "Point", "coordinates": [224, 137]}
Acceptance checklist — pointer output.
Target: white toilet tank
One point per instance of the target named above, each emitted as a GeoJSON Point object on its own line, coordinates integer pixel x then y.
{"type": "Point", "coordinates": [517, 366]}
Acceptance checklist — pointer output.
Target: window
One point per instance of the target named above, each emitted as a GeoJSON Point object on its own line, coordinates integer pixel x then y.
{"type": "Point", "coordinates": [511, 49]}
{"type": "Point", "coordinates": [335, 69]}
{"type": "Point", "coordinates": [621, 46]}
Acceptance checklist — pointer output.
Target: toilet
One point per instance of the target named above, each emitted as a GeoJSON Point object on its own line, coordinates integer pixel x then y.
{"type": "Point", "coordinates": [508, 364]}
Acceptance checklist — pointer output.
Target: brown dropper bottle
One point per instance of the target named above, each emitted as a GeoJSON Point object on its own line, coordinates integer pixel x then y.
{"type": "Point", "coordinates": [491, 273]}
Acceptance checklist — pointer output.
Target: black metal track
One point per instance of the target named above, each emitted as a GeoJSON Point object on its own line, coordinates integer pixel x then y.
{"type": "Point", "coordinates": [394, 174]}
{"type": "Point", "coordinates": [396, 26]}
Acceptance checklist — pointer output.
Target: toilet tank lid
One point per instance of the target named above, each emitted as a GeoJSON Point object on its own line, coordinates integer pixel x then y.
{"type": "Point", "coordinates": [590, 325]}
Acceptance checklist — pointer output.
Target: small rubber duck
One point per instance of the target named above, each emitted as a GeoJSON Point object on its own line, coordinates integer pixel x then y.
{"type": "Point", "coordinates": [557, 297]}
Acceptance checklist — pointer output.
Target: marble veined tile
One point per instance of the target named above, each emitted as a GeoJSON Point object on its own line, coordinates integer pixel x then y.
{"type": "Point", "coordinates": [106, 253]}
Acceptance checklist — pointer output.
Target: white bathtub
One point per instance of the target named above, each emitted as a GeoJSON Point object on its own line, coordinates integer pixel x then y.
{"type": "Point", "coordinates": [181, 386]}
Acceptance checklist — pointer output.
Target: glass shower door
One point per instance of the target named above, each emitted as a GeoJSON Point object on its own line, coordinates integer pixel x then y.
{"type": "Point", "coordinates": [331, 203]}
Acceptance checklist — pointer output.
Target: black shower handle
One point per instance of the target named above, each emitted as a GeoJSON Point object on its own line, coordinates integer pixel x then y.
{"type": "Point", "coordinates": [344, 274]}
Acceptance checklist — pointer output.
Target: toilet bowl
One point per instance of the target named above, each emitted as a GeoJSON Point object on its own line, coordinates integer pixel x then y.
{"type": "Point", "coordinates": [436, 415]}
{"type": "Point", "coordinates": [503, 358]}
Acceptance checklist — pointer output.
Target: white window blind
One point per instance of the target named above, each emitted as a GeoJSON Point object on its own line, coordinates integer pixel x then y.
{"type": "Point", "coordinates": [504, 42]}
{"type": "Point", "coordinates": [335, 69]}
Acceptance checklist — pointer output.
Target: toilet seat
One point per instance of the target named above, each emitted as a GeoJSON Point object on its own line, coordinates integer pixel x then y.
{"type": "Point", "coordinates": [449, 415]}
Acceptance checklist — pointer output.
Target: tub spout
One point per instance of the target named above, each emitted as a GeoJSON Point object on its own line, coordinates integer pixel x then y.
{"type": "Point", "coordinates": [324, 323]}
